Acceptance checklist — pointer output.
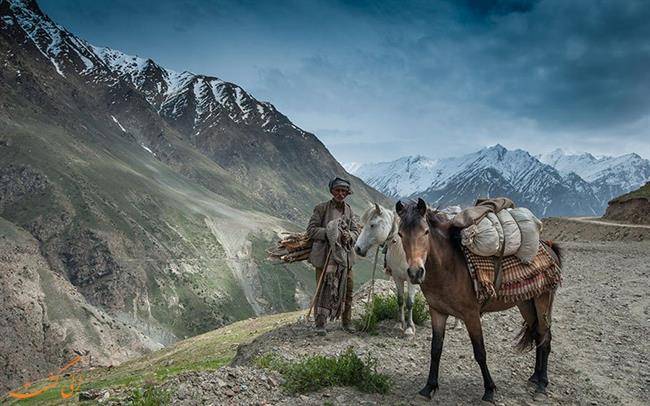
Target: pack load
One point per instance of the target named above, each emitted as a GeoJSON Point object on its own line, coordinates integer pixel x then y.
{"type": "Point", "coordinates": [508, 231]}
{"type": "Point", "coordinates": [530, 227]}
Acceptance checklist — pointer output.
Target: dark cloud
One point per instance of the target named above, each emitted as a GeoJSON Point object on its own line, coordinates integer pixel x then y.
{"type": "Point", "coordinates": [439, 76]}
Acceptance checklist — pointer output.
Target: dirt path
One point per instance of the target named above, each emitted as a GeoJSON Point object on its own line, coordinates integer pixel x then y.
{"type": "Point", "coordinates": [595, 220]}
{"type": "Point", "coordinates": [600, 349]}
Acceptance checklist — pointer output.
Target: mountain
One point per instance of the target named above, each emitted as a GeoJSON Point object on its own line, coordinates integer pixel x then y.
{"type": "Point", "coordinates": [609, 176]}
{"type": "Point", "coordinates": [552, 185]}
{"type": "Point", "coordinates": [136, 203]}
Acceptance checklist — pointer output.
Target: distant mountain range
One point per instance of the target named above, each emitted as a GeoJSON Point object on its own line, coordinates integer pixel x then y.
{"type": "Point", "coordinates": [555, 184]}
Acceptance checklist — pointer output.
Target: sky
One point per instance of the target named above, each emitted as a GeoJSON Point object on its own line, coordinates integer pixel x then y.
{"type": "Point", "coordinates": [379, 80]}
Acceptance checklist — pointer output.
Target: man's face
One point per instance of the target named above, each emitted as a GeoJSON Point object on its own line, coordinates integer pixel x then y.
{"type": "Point", "coordinates": [340, 193]}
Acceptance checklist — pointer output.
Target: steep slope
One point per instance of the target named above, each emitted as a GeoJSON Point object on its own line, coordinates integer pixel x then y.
{"type": "Point", "coordinates": [633, 207]}
{"type": "Point", "coordinates": [492, 171]}
{"type": "Point", "coordinates": [162, 231]}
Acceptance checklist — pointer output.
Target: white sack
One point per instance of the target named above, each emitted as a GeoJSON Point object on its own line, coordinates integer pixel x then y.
{"type": "Point", "coordinates": [482, 238]}
{"type": "Point", "coordinates": [530, 228]}
{"type": "Point", "coordinates": [511, 233]}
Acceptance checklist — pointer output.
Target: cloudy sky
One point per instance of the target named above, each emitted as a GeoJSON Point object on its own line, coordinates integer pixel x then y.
{"type": "Point", "coordinates": [379, 80]}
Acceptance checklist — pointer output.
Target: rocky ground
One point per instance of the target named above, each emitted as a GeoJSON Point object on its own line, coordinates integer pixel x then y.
{"type": "Point", "coordinates": [600, 348]}
{"type": "Point", "coordinates": [600, 351]}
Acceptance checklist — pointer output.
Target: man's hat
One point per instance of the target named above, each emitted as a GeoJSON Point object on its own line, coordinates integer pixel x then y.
{"type": "Point", "coordinates": [341, 183]}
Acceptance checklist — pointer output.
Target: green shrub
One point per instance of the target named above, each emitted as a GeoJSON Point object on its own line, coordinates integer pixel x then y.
{"type": "Point", "coordinates": [385, 308]}
{"type": "Point", "coordinates": [319, 371]}
{"type": "Point", "coordinates": [420, 310]}
{"type": "Point", "coordinates": [149, 396]}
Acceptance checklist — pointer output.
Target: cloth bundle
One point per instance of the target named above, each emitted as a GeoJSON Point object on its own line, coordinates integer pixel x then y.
{"type": "Point", "coordinates": [517, 228]}
{"type": "Point", "coordinates": [519, 281]}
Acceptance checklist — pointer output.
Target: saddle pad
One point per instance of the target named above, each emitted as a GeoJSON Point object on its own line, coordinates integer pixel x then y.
{"type": "Point", "coordinates": [519, 281]}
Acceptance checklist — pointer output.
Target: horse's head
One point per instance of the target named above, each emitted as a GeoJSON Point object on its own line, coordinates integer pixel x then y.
{"type": "Point", "coordinates": [424, 233]}
{"type": "Point", "coordinates": [377, 223]}
{"type": "Point", "coordinates": [414, 232]}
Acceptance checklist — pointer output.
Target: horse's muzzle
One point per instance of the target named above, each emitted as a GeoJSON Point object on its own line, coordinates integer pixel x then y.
{"type": "Point", "coordinates": [416, 275]}
{"type": "Point", "coordinates": [359, 252]}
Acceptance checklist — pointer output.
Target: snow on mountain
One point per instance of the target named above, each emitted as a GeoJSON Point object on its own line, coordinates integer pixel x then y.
{"type": "Point", "coordinates": [628, 171]}
{"type": "Point", "coordinates": [200, 100]}
{"type": "Point", "coordinates": [351, 167]}
{"type": "Point", "coordinates": [551, 185]}
{"type": "Point", "coordinates": [409, 175]}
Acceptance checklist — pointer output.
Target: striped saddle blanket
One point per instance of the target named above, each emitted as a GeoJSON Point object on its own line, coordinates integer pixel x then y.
{"type": "Point", "coordinates": [519, 281]}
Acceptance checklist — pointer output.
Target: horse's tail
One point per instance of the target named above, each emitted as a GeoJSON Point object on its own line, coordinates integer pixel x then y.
{"type": "Point", "coordinates": [526, 337]}
{"type": "Point", "coordinates": [559, 252]}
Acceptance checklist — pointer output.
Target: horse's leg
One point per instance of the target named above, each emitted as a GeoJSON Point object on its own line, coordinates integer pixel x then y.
{"type": "Point", "coordinates": [543, 304]}
{"type": "Point", "coordinates": [529, 334]}
{"type": "Point", "coordinates": [410, 300]}
{"type": "Point", "coordinates": [399, 283]}
{"type": "Point", "coordinates": [475, 331]}
{"type": "Point", "coordinates": [438, 322]}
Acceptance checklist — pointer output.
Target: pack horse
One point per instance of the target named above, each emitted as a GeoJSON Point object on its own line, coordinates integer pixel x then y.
{"type": "Point", "coordinates": [436, 262]}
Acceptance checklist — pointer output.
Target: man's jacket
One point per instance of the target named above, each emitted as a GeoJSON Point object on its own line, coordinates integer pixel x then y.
{"type": "Point", "coordinates": [323, 214]}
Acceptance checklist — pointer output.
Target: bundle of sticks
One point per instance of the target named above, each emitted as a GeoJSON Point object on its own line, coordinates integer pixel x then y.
{"type": "Point", "coordinates": [292, 247]}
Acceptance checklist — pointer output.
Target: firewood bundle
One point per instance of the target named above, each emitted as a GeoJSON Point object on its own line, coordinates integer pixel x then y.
{"type": "Point", "coordinates": [292, 247]}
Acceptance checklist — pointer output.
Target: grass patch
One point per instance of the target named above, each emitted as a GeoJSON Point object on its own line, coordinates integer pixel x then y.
{"type": "Point", "coordinates": [320, 371]}
{"type": "Point", "coordinates": [385, 307]}
{"type": "Point", "coordinates": [149, 395]}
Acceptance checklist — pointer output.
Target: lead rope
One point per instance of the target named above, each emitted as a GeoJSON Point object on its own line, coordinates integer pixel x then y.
{"type": "Point", "coordinates": [370, 302]}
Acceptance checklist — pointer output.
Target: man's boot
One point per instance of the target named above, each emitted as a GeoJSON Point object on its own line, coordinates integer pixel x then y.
{"type": "Point", "coordinates": [347, 326]}
{"type": "Point", "coordinates": [320, 325]}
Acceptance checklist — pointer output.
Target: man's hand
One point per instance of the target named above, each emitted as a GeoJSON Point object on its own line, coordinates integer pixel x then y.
{"type": "Point", "coordinates": [345, 237]}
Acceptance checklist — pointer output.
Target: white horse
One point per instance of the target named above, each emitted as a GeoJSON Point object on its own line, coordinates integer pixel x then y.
{"type": "Point", "coordinates": [380, 228]}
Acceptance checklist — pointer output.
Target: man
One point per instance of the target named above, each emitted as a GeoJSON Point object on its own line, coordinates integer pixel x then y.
{"type": "Point", "coordinates": [336, 261]}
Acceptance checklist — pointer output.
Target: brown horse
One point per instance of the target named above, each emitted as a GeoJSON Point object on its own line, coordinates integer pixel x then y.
{"type": "Point", "coordinates": [436, 262]}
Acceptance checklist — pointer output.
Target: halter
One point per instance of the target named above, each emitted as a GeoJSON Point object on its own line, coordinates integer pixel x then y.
{"type": "Point", "coordinates": [391, 235]}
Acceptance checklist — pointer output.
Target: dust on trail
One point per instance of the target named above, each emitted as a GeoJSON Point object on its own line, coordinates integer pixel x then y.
{"type": "Point", "coordinates": [600, 350]}
{"type": "Point", "coordinates": [596, 220]}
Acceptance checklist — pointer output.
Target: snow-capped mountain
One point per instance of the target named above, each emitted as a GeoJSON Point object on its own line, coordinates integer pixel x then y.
{"type": "Point", "coordinates": [170, 92]}
{"type": "Point", "coordinates": [557, 184]}
{"type": "Point", "coordinates": [627, 171]}
{"type": "Point", "coordinates": [186, 97]}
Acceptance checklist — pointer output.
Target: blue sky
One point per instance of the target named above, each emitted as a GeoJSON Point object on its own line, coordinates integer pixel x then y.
{"type": "Point", "coordinates": [379, 80]}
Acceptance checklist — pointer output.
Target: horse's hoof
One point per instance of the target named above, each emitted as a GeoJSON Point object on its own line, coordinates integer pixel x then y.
{"type": "Point", "coordinates": [409, 332]}
{"type": "Point", "coordinates": [540, 389]}
{"type": "Point", "coordinates": [540, 396]}
{"type": "Point", "coordinates": [428, 391]}
{"type": "Point", "coordinates": [488, 397]}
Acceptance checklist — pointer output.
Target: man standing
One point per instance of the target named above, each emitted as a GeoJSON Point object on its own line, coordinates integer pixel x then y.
{"type": "Point", "coordinates": [333, 232]}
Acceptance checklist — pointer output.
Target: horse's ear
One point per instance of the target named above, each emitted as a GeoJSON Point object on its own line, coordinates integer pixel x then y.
{"type": "Point", "coordinates": [422, 207]}
{"type": "Point", "coordinates": [399, 207]}
{"type": "Point", "coordinates": [378, 208]}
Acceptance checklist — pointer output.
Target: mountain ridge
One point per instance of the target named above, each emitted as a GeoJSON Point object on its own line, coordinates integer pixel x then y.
{"type": "Point", "coordinates": [552, 185]}
{"type": "Point", "coordinates": [153, 231]}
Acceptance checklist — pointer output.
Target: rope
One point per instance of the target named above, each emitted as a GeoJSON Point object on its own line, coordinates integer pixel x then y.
{"type": "Point", "coordinates": [370, 302]}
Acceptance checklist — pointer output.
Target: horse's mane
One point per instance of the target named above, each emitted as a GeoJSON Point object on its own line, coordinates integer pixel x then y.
{"type": "Point", "coordinates": [436, 220]}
